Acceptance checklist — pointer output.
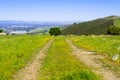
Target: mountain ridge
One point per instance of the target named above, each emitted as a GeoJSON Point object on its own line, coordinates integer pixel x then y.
{"type": "Point", "coordinates": [97, 26]}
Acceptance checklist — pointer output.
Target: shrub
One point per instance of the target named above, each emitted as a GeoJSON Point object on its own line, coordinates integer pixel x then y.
{"type": "Point", "coordinates": [113, 30]}
{"type": "Point", "coordinates": [55, 31]}
{"type": "Point", "coordinates": [74, 23]}
{"type": "Point", "coordinates": [1, 30]}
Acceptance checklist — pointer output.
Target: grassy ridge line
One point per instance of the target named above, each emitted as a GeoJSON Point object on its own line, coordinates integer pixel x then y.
{"type": "Point", "coordinates": [16, 51]}
{"type": "Point", "coordinates": [60, 65]}
{"type": "Point", "coordinates": [97, 27]}
{"type": "Point", "coordinates": [105, 45]}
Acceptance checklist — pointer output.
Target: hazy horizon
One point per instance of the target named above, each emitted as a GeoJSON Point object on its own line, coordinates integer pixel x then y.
{"type": "Point", "coordinates": [57, 10]}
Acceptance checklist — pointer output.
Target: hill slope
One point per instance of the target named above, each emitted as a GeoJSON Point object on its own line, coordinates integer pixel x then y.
{"type": "Point", "coordinates": [98, 26]}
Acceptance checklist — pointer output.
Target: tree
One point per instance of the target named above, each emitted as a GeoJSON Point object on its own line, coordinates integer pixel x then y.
{"type": "Point", "coordinates": [113, 30]}
{"type": "Point", "coordinates": [74, 23]}
{"type": "Point", "coordinates": [55, 31]}
{"type": "Point", "coordinates": [1, 30]}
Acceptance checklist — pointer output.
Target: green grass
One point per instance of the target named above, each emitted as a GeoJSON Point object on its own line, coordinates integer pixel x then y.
{"type": "Point", "coordinates": [61, 65]}
{"type": "Point", "coordinates": [105, 45]}
{"type": "Point", "coordinates": [16, 51]}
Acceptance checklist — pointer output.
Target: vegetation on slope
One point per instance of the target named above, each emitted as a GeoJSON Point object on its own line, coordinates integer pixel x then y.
{"type": "Point", "coordinates": [61, 65]}
{"type": "Point", "coordinates": [16, 51]}
{"type": "Point", "coordinates": [115, 28]}
{"type": "Point", "coordinates": [98, 26]}
{"type": "Point", "coordinates": [105, 45]}
{"type": "Point", "coordinates": [108, 46]}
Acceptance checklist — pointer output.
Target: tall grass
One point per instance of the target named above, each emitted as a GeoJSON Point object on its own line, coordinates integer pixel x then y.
{"type": "Point", "coordinates": [61, 65]}
{"type": "Point", "coordinates": [16, 51]}
{"type": "Point", "coordinates": [105, 45]}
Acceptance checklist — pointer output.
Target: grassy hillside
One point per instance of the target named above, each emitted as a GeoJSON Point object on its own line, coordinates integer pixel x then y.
{"type": "Point", "coordinates": [16, 51]}
{"type": "Point", "coordinates": [98, 26]}
{"type": "Point", "coordinates": [61, 65]}
{"type": "Point", "coordinates": [60, 62]}
{"type": "Point", "coordinates": [105, 45]}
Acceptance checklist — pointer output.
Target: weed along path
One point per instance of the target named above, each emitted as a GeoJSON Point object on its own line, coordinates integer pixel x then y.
{"type": "Point", "coordinates": [88, 58]}
{"type": "Point", "coordinates": [30, 72]}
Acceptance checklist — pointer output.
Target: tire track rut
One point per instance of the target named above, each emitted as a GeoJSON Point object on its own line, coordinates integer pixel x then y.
{"type": "Point", "coordinates": [89, 59]}
{"type": "Point", "coordinates": [31, 71]}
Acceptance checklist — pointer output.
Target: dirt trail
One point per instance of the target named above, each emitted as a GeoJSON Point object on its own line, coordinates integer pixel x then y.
{"type": "Point", "coordinates": [30, 72]}
{"type": "Point", "coordinates": [89, 59]}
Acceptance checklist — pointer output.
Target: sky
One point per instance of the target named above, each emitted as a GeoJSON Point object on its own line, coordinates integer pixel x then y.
{"type": "Point", "coordinates": [57, 10]}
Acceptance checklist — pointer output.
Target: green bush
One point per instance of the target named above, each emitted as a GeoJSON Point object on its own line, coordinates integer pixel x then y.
{"type": "Point", "coordinates": [113, 30]}
{"type": "Point", "coordinates": [1, 30]}
{"type": "Point", "coordinates": [55, 31]}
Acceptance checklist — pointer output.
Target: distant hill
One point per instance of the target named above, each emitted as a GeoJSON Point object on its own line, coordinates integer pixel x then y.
{"type": "Point", "coordinates": [98, 26]}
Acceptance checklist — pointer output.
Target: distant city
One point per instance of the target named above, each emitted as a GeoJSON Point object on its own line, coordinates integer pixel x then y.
{"type": "Point", "coordinates": [28, 27]}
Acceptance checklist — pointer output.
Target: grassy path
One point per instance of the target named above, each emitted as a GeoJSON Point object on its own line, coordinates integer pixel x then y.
{"type": "Point", "coordinates": [89, 59]}
{"type": "Point", "coordinates": [30, 72]}
{"type": "Point", "coordinates": [59, 64]}
{"type": "Point", "coordinates": [16, 51]}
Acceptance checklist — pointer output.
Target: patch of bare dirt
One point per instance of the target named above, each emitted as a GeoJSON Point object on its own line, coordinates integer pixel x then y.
{"type": "Point", "coordinates": [90, 59]}
{"type": "Point", "coordinates": [30, 72]}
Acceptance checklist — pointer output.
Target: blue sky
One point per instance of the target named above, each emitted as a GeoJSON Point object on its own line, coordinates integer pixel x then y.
{"type": "Point", "coordinates": [57, 10]}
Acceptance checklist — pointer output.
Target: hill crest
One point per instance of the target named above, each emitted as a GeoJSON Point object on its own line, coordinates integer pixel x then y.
{"type": "Point", "coordinates": [97, 27]}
